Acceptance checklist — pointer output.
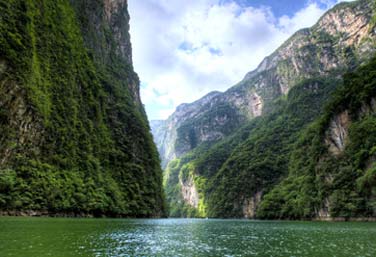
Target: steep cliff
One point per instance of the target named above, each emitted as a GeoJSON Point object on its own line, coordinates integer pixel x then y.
{"type": "Point", "coordinates": [74, 137]}
{"type": "Point", "coordinates": [341, 40]}
{"type": "Point", "coordinates": [332, 167]}
{"type": "Point", "coordinates": [233, 171]}
{"type": "Point", "coordinates": [170, 136]}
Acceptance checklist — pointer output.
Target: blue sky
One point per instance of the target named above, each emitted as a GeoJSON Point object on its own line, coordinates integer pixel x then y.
{"type": "Point", "coordinates": [183, 49]}
{"type": "Point", "coordinates": [278, 7]}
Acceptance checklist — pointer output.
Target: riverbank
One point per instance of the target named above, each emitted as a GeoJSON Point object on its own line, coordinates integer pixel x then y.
{"type": "Point", "coordinates": [34, 213]}
{"type": "Point", "coordinates": [38, 213]}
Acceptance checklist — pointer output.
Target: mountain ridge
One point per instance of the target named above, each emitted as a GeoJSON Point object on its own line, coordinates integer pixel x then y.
{"type": "Point", "coordinates": [248, 99]}
{"type": "Point", "coordinates": [342, 40]}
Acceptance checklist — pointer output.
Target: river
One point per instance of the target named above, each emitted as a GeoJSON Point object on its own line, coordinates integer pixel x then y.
{"type": "Point", "coordinates": [39, 237]}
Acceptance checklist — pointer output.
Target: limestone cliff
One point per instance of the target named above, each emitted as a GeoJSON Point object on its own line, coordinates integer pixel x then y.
{"type": "Point", "coordinates": [332, 168]}
{"type": "Point", "coordinates": [236, 157]}
{"type": "Point", "coordinates": [342, 39]}
{"type": "Point", "coordinates": [74, 137]}
{"type": "Point", "coordinates": [338, 132]}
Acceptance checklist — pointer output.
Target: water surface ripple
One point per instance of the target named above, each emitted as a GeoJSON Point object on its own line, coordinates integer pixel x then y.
{"type": "Point", "coordinates": [39, 237]}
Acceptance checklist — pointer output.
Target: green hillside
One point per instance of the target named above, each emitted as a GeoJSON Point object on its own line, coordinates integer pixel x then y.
{"type": "Point", "coordinates": [73, 133]}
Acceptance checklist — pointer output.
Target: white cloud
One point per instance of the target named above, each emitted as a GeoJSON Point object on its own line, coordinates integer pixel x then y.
{"type": "Point", "coordinates": [185, 49]}
{"type": "Point", "coordinates": [302, 19]}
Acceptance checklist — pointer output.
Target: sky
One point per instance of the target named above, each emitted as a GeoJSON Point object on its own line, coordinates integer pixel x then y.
{"type": "Point", "coordinates": [184, 49]}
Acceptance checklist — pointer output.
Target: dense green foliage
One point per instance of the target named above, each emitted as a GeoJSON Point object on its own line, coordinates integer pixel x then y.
{"type": "Point", "coordinates": [260, 161]}
{"type": "Point", "coordinates": [180, 170]}
{"type": "Point", "coordinates": [319, 182]}
{"type": "Point", "coordinates": [252, 159]}
{"type": "Point", "coordinates": [297, 160]}
{"type": "Point", "coordinates": [95, 154]}
{"type": "Point", "coordinates": [284, 155]}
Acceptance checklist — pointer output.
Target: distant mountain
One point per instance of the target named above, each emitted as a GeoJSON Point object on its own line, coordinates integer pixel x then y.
{"type": "Point", "coordinates": [228, 150]}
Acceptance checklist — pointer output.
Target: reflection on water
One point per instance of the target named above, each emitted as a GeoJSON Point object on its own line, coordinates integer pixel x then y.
{"type": "Point", "coordinates": [182, 237]}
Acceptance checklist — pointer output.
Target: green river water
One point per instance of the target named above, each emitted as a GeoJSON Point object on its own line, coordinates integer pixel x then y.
{"type": "Point", "coordinates": [39, 237]}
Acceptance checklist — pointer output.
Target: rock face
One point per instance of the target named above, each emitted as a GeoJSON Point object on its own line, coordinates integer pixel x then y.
{"type": "Point", "coordinates": [250, 206]}
{"type": "Point", "coordinates": [112, 7]}
{"type": "Point", "coordinates": [116, 13]}
{"type": "Point", "coordinates": [74, 137]}
{"type": "Point", "coordinates": [25, 127]}
{"type": "Point", "coordinates": [167, 136]}
{"type": "Point", "coordinates": [100, 20]}
{"type": "Point", "coordinates": [339, 41]}
{"type": "Point", "coordinates": [336, 157]}
{"type": "Point", "coordinates": [342, 39]}
{"type": "Point", "coordinates": [338, 133]}
{"type": "Point", "coordinates": [189, 192]}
